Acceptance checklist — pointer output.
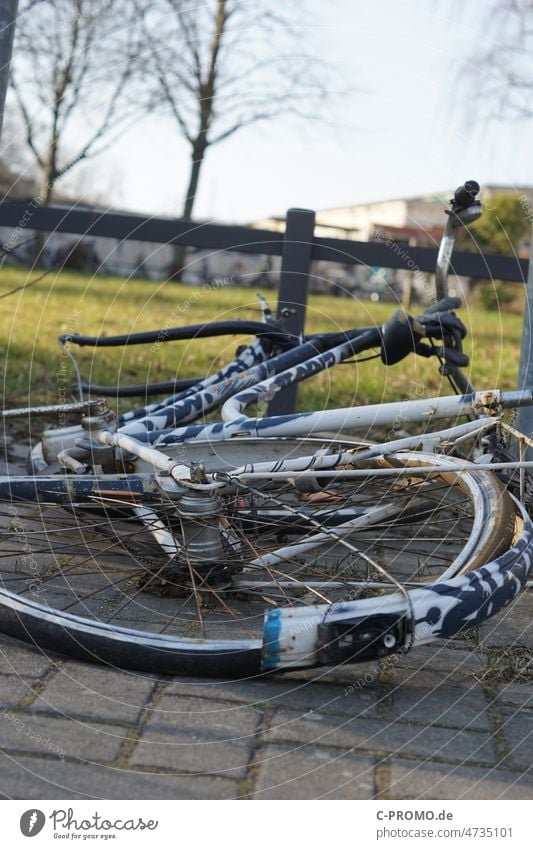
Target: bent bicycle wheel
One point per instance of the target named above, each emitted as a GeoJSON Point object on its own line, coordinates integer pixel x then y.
{"type": "Point", "coordinates": [268, 570]}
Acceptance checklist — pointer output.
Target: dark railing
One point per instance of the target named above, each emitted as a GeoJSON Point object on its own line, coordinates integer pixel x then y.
{"type": "Point", "coordinates": [299, 229]}
{"type": "Point", "coordinates": [297, 246]}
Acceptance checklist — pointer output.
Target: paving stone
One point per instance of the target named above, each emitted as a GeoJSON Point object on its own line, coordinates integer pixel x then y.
{"type": "Point", "coordinates": [93, 691]}
{"type": "Point", "coordinates": [19, 660]}
{"type": "Point", "coordinates": [39, 778]}
{"type": "Point", "coordinates": [200, 736]}
{"type": "Point", "coordinates": [188, 752]}
{"type": "Point", "coordinates": [512, 627]}
{"type": "Point", "coordinates": [329, 676]}
{"type": "Point", "coordinates": [296, 695]}
{"type": "Point", "coordinates": [453, 707]}
{"type": "Point", "coordinates": [520, 695]}
{"type": "Point", "coordinates": [430, 679]}
{"type": "Point", "coordinates": [341, 676]}
{"type": "Point", "coordinates": [434, 666]}
{"type": "Point", "coordinates": [12, 690]}
{"type": "Point", "coordinates": [437, 658]}
{"type": "Point", "coordinates": [375, 736]}
{"type": "Point", "coordinates": [413, 780]}
{"type": "Point", "coordinates": [344, 675]}
{"type": "Point", "coordinates": [228, 717]}
{"type": "Point", "coordinates": [518, 730]}
{"type": "Point", "coordinates": [308, 773]}
{"type": "Point", "coordinates": [23, 732]}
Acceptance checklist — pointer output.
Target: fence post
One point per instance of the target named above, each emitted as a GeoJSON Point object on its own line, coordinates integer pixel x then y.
{"type": "Point", "coordinates": [8, 16]}
{"type": "Point", "coordinates": [293, 288]}
{"type": "Point", "coordinates": [524, 421]}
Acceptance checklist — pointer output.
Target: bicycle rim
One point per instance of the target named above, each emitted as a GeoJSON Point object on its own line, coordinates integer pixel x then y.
{"type": "Point", "coordinates": [94, 583]}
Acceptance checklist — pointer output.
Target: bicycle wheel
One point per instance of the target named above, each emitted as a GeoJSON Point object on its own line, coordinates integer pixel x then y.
{"type": "Point", "coordinates": [255, 574]}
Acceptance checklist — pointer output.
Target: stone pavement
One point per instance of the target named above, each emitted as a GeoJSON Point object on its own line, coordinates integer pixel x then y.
{"type": "Point", "coordinates": [450, 721]}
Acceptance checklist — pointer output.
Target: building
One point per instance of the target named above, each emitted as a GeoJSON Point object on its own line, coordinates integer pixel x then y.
{"type": "Point", "coordinates": [415, 221]}
{"type": "Point", "coordinates": [418, 218]}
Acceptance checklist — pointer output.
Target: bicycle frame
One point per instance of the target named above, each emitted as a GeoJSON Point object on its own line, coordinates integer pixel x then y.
{"type": "Point", "coordinates": [147, 444]}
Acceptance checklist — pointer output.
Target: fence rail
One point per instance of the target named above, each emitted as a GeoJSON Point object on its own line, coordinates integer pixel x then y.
{"type": "Point", "coordinates": [172, 231]}
{"type": "Point", "coordinates": [138, 228]}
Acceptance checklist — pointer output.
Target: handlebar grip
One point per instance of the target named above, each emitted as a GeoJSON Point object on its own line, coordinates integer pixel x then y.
{"type": "Point", "coordinates": [466, 194]}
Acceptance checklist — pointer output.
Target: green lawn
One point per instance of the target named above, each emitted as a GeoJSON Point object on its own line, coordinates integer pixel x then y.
{"type": "Point", "coordinates": [36, 372]}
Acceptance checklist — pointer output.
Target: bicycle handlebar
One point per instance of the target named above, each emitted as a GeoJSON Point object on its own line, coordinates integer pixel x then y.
{"type": "Point", "coordinates": [193, 331]}
{"type": "Point", "coordinates": [398, 337]}
{"type": "Point", "coordinates": [141, 390]}
{"type": "Point", "coordinates": [465, 195]}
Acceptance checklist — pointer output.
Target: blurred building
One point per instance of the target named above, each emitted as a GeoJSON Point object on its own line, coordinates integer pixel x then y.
{"type": "Point", "coordinates": [420, 217]}
{"type": "Point", "coordinates": [408, 222]}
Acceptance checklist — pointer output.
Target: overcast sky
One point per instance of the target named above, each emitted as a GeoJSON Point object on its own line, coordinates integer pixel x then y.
{"type": "Point", "coordinates": [409, 129]}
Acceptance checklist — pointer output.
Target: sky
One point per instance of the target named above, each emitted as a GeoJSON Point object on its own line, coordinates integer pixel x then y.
{"type": "Point", "coordinates": [409, 126]}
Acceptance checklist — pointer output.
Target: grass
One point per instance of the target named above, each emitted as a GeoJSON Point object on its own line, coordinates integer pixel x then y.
{"type": "Point", "coordinates": [35, 372]}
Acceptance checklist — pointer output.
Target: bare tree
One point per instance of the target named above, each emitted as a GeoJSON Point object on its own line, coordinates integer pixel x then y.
{"type": "Point", "coordinates": [75, 63]}
{"type": "Point", "coordinates": [222, 65]}
{"type": "Point", "coordinates": [500, 75]}
{"type": "Point", "coordinates": [8, 14]}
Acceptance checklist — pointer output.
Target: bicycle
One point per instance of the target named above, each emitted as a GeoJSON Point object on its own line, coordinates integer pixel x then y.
{"type": "Point", "coordinates": [179, 534]}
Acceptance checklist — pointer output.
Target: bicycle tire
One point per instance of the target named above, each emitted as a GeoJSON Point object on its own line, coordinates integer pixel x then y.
{"type": "Point", "coordinates": [500, 548]}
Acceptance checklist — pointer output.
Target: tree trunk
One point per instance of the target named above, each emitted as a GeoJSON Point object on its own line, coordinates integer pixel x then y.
{"type": "Point", "coordinates": [8, 16]}
{"type": "Point", "coordinates": [206, 93]}
{"type": "Point", "coordinates": [180, 251]}
{"type": "Point", "coordinates": [44, 198]}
